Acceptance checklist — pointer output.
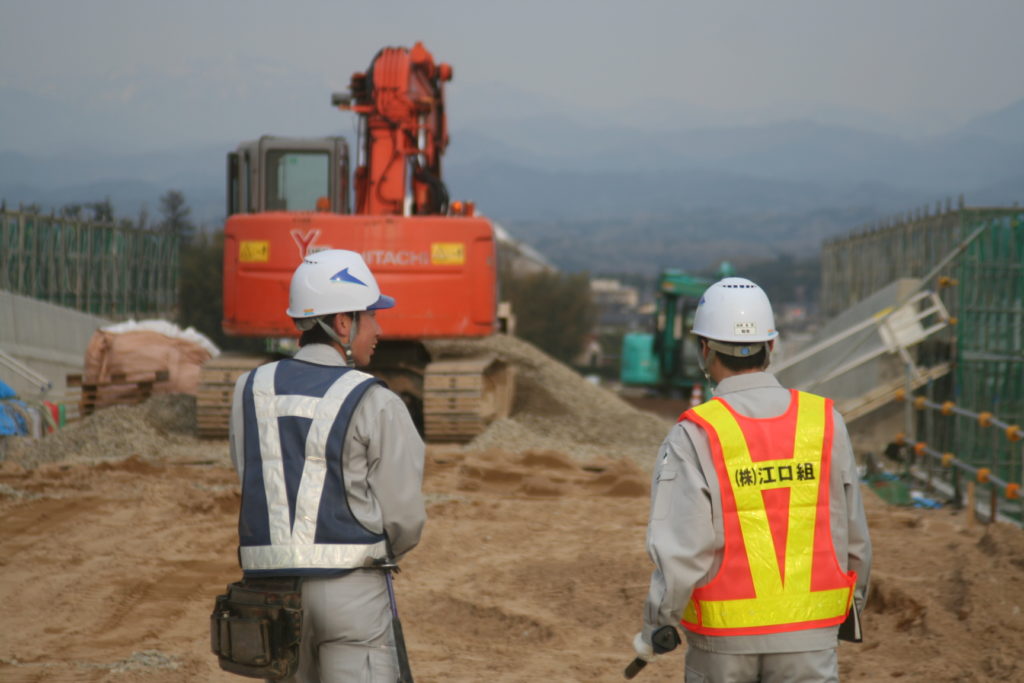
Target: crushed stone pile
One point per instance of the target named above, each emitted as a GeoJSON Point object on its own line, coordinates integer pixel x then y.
{"type": "Point", "coordinates": [163, 426]}
{"type": "Point", "coordinates": [556, 409]}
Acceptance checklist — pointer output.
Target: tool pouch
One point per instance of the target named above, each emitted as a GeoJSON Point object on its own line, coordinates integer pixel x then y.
{"type": "Point", "coordinates": [256, 626]}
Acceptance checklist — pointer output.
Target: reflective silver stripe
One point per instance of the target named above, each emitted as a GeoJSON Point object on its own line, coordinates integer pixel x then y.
{"type": "Point", "coordinates": [293, 545]}
{"type": "Point", "coordinates": [319, 556]}
{"type": "Point", "coordinates": [296, 406]}
{"type": "Point", "coordinates": [314, 471]}
{"type": "Point", "coordinates": [270, 454]}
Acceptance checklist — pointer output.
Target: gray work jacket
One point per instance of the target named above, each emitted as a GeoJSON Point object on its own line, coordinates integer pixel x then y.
{"type": "Point", "coordinates": [383, 458]}
{"type": "Point", "coordinates": [685, 537]}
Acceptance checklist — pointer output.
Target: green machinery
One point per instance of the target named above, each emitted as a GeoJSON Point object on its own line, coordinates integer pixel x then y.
{"type": "Point", "coordinates": [666, 359]}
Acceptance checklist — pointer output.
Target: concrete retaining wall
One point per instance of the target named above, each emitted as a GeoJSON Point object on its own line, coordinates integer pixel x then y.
{"type": "Point", "coordinates": [49, 339]}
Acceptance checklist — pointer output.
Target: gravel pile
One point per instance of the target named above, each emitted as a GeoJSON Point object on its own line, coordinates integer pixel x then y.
{"type": "Point", "coordinates": [556, 409]}
{"type": "Point", "coordinates": [162, 427]}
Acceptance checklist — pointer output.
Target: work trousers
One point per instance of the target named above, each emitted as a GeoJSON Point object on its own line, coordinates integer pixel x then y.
{"type": "Point", "coordinates": [347, 635]}
{"type": "Point", "coordinates": [817, 666]}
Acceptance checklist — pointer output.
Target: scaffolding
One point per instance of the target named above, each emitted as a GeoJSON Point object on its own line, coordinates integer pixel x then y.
{"type": "Point", "coordinates": [990, 343]}
{"type": "Point", "coordinates": [108, 270]}
{"type": "Point", "coordinates": [983, 290]}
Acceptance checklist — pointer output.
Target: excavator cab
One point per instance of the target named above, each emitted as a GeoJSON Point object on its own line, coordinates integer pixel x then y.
{"type": "Point", "coordinates": [288, 174]}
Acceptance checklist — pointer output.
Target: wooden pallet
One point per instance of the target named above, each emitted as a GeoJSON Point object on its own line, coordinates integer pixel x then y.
{"type": "Point", "coordinates": [118, 390]}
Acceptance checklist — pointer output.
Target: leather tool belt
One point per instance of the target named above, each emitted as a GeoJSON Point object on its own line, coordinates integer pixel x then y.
{"type": "Point", "coordinates": [255, 628]}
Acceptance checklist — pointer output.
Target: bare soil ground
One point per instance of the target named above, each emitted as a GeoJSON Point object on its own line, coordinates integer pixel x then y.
{"type": "Point", "coordinates": [118, 532]}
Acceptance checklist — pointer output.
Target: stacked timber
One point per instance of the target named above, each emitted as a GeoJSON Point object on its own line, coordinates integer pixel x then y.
{"type": "Point", "coordinates": [118, 390]}
{"type": "Point", "coordinates": [216, 387]}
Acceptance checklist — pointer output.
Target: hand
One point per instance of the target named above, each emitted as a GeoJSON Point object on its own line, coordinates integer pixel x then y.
{"type": "Point", "coordinates": [644, 650]}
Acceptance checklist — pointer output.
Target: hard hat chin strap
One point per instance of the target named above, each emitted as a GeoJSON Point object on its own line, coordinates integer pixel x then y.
{"type": "Point", "coordinates": [703, 365]}
{"type": "Point", "coordinates": [347, 348]}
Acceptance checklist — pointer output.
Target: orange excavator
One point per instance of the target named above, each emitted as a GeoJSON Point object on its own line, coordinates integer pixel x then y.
{"type": "Point", "coordinates": [290, 196]}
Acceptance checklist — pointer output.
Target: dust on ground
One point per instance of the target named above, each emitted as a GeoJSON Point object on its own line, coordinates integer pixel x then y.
{"type": "Point", "coordinates": [119, 531]}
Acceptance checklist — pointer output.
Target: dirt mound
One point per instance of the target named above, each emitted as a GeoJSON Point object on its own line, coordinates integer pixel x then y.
{"type": "Point", "coordinates": [557, 410]}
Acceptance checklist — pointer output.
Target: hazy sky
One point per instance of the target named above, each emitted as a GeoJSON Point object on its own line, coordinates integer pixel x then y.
{"type": "Point", "coordinates": [908, 65]}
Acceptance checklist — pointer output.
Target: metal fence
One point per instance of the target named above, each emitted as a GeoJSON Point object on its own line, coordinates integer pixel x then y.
{"type": "Point", "coordinates": [984, 292]}
{"type": "Point", "coordinates": [114, 271]}
{"type": "Point", "coordinates": [990, 343]}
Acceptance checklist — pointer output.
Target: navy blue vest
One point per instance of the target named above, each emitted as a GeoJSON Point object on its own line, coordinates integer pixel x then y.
{"type": "Point", "coordinates": [295, 517]}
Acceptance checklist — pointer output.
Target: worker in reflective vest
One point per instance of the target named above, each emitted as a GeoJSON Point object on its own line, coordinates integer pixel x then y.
{"type": "Point", "coordinates": [331, 466]}
{"type": "Point", "coordinates": [757, 528]}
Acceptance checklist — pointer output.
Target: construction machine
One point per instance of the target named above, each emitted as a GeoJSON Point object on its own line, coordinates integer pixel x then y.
{"type": "Point", "coordinates": [288, 197]}
{"type": "Point", "coordinates": [665, 360]}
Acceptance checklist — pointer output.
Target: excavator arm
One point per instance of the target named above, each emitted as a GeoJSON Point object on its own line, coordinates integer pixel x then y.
{"type": "Point", "coordinates": [403, 130]}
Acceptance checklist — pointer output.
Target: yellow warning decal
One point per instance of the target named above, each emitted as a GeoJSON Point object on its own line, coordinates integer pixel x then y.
{"type": "Point", "coordinates": [254, 251]}
{"type": "Point", "coordinates": [447, 253]}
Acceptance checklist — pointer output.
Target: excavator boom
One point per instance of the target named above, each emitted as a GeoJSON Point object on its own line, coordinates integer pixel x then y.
{"type": "Point", "coordinates": [400, 101]}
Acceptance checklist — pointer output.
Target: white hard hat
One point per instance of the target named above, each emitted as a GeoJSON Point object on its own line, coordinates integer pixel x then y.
{"type": "Point", "coordinates": [735, 310]}
{"type": "Point", "coordinates": [334, 281]}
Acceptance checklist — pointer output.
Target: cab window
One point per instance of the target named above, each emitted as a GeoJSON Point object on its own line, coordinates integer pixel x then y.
{"type": "Point", "coordinates": [295, 180]}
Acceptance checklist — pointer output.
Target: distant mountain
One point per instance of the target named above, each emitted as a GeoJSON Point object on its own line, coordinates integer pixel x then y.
{"type": "Point", "coordinates": [580, 188]}
{"type": "Point", "coordinates": [511, 192]}
{"type": "Point", "coordinates": [131, 183]}
{"type": "Point", "coordinates": [1005, 125]}
{"type": "Point", "coordinates": [798, 151]}
{"type": "Point", "coordinates": [693, 239]}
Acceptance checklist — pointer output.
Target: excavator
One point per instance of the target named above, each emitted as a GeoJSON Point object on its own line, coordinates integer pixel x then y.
{"type": "Point", "coordinates": [288, 197]}
{"type": "Point", "coordinates": [665, 360]}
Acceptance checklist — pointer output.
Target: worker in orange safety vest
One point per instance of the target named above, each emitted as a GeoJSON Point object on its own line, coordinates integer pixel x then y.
{"type": "Point", "coordinates": [757, 528]}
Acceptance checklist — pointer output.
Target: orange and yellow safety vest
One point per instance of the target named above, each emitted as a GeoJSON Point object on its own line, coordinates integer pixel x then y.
{"type": "Point", "coordinates": [779, 569]}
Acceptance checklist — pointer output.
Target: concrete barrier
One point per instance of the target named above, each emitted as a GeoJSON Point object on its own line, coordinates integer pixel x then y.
{"type": "Point", "coordinates": [48, 339]}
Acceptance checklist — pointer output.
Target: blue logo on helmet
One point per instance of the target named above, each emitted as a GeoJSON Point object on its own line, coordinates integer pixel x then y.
{"type": "Point", "coordinates": [345, 276]}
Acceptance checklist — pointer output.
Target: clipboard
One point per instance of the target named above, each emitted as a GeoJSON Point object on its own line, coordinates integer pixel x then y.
{"type": "Point", "coordinates": [850, 629]}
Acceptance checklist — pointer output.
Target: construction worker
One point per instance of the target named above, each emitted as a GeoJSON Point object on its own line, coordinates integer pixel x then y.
{"type": "Point", "coordinates": [757, 529]}
{"type": "Point", "coordinates": [331, 468]}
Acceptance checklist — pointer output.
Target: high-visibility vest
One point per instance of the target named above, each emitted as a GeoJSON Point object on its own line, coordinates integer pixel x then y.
{"type": "Point", "coordinates": [295, 518]}
{"type": "Point", "coordinates": [779, 568]}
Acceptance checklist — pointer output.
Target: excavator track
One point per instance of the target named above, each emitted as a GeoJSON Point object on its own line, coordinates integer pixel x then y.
{"type": "Point", "coordinates": [462, 396]}
{"type": "Point", "coordinates": [457, 397]}
{"type": "Point", "coordinates": [216, 387]}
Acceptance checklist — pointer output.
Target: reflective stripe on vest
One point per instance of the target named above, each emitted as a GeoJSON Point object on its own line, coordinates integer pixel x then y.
{"type": "Point", "coordinates": [285, 524]}
{"type": "Point", "coordinates": [779, 569]}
